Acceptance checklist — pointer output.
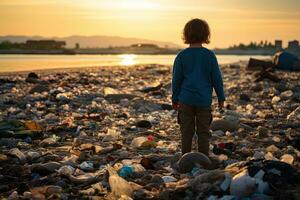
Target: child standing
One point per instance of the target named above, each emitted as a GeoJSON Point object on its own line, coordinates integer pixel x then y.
{"type": "Point", "coordinates": [195, 74]}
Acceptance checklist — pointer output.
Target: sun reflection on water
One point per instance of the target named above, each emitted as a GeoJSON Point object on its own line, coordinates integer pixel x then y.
{"type": "Point", "coordinates": [128, 59]}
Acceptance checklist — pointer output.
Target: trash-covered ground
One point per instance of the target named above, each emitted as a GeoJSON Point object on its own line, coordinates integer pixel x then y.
{"type": "Point", "coordinates": [110, 133]}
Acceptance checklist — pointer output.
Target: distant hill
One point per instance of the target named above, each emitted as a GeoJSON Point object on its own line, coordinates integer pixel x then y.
{"type": "Point", "coordinates": [91, 41]}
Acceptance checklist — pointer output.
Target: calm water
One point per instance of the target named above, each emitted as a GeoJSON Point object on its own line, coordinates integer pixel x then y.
{"type": "Point", "coordinates": [10, 63]}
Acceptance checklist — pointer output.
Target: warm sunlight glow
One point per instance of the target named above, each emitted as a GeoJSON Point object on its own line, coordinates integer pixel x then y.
{"type": "Point", "coordinates": [138, 5]}
{"type": "Point", "coordinates": [124, 5]}
{"type": "Point", "coordinates": [231, 21]}
{"type": "Point", "coordinates": [128, 59]}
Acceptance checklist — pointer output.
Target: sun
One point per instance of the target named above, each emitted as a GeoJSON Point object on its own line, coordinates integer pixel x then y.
{"type": "Point", "coordinates": [128, 59]}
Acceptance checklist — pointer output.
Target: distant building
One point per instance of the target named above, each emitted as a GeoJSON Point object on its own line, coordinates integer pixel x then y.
{"type": "Point", "coordinates": [44, 44]}
{"type": "Point", "coordinates": [278, 44]}
{"type": "Point", "coordinates": [141, 45]}
{"type": "Point", "coordinates": [293, 44]}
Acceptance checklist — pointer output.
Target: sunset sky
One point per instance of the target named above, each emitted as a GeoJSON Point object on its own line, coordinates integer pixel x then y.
{"type": "Point", "coordinates": [231, 21]}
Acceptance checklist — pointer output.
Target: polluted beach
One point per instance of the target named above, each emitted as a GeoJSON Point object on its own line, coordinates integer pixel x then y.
{"type": "Point", "coordinates": [143, 99]}
{"type": "Point", "coordinates": [101, 132]}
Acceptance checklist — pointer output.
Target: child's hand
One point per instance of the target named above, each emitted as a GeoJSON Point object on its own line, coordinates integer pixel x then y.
{"type": "Point", "coordinates": [175, 106]}
{"type": "Point", "coordinates": [221, 105]}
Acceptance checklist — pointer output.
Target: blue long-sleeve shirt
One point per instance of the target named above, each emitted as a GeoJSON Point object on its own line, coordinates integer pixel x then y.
{"type": "Point", "coordinates": [195, 74]}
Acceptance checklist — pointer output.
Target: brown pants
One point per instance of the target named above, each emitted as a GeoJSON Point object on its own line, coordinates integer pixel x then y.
{"type": "Point", "coordinates": [189, 119]}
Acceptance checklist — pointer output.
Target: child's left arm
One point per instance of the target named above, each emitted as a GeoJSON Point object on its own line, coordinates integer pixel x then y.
{"type": "Point", "coordinates": [217, 80]}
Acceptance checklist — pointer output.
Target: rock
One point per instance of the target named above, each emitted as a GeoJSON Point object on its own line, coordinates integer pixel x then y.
{"type": "Point", "coordinates": [194, 159]}
{"type": "Point", "coordinates": [262, 131]}
{"type": "Point", "coordinates": [147, 163]}
{"type": "Point", "coordinates": [168, 179]}
{"type": "Point", "coordinates": [32, 75]}
{"type": "Point", "coordinates": [286, 94]}
{"type": "Point", "coordinates": [244, 97]}
{"type": "Point", "coordinates": [8, 142]}
{"type": "Point", "coordinates": [282, 86]}
{"type": "Point", "coordinates": [145, 106]}
{"type": "Point", "coordinates": [144, 124]}
{"type": "Point", "coordinates": [218, 133]}
{"type": "Point", "coordinates": [296, 96]}
{"type": "Point", "coordinates": [33, 155]}
{"type": "Point", "coordinates": [258, 155]}
{"type": "Point", "coordinates": [32, 78]}
{"type": "Point", "coordinates": [287, 158]}
{"type": "Point", "coordinates": [47, 142]}
{"type": "Point", "coordinates": [151, 88]}
{"type": "Point", "coordinates": [109, 90]}
{"type": "Point", "coordinates": [224, 125]}
{"type": "Point", "coordinates": [270, 156]}
{"type": "Point", "coordinates": [3, 157]}
{"type": "Point", "coordinates": [66, 170]}
{"type": "Point", "coordinates": [39, 89]}
{"type": "Point", "coordinates": [276, 139]}
{"type": "Point", "coordinates": [86, 166]}
{"type": "Point", "coordinates": [166, 106]}
{"type": "Point", "coordinates": [261, 114]}
{"type": "Point", "coordinates": [17, 153]}
{"type": "Point", "coordinates": [242, 185]}
{"type": "Point", "coordinates": [142, 142]}
{"type": "Point", "coordinates": [45, 168]}
{"type": "Point", "coordinates": [63, 97]}
{"type": "Point", "coordinates": [114, 96]}
{"type": "Point", "coordinates": [295, 115]}
{"type": "Point", "coordinates": [272, 148]}
{"type": "Point", "coordinates": [275, 99]}
{"type": "Point", "coordinates": [257, 87]}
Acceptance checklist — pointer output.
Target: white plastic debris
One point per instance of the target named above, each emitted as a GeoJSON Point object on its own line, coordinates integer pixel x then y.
{"type": "Point", "coordinates": [242, 185]}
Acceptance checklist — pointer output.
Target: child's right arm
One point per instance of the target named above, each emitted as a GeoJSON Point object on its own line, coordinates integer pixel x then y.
{"type": "Point", "coordinates": [176, 80]}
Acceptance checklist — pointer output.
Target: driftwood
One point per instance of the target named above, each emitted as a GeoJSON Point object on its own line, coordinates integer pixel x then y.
{"type": "Point", "coordinates": [267, 74]}
{"type": "Point", "coordinates": [255, 64]}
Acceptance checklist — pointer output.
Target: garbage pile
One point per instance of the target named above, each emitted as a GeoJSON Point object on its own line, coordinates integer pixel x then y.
{"type": "Point", "coordinates": [111, 133]}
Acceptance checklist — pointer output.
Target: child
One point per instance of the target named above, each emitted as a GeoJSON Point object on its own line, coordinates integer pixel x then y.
{"type": "Point", "coordinates": [195, 74]}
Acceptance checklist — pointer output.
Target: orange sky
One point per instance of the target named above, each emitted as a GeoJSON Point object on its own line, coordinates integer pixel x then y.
{"type": "Point", "coordinates": [231, 21]}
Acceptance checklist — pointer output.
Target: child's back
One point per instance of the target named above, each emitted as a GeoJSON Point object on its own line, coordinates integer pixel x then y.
{"type": "Point", "coordinates": [196, 73]}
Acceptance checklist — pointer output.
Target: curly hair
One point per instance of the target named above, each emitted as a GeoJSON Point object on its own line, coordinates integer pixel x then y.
{"type": "Point", "coordinates": [196, 31]}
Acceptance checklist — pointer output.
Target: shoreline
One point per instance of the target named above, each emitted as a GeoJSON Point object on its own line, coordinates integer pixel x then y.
{"type": "Point", "coordinates": [217, 52]}
{"type": "Point", "coordinates": [108, 51]}
{"type": "Point", "coordinates": [77, 69]}
{"type": "Point", "coordinates": [93, 68]}
{"type": "Point", "coordinates": [19, 64]}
